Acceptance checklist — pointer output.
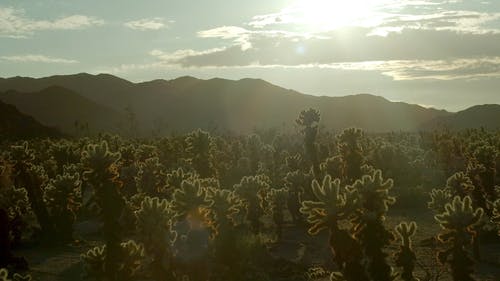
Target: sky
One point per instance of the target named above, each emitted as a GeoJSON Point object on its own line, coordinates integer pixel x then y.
{"type": "Point", "coordinates": [436, 53]}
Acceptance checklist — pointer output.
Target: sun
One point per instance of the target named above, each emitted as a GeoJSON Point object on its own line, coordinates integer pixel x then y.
{"type": "Point", "coordinates": [323, 15]}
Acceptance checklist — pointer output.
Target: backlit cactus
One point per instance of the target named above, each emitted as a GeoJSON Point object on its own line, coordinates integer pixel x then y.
{"type": "Point", "coordinates": [457, 222]}
{"type": "Point", "coordinates": [333, 203]}
{"type": "Point", "coordinates": [439, 199]}
{"type": "Point", "coordinates": [406, 257]}
{"type": "Point", "coordinates": [199, 145]}
{"type": "Point", "coordinates": [128, 269]}
{"type": "Point", "coordinates": [309, 121]}
{"type": "Point", "coordinates": [4, 276]}
{"type": "Point", "coordinates": [251, 190]}
{"type": "Point", "coordinates": [101, 173]}
{"type": "Point", "coordinates": [63, 197]}
{"type": "Point", "coordinates": [154, 228]}
{"type": "Point", "coordinates": [368, 222]}
{"type": "Point", "coordinates": [278, 199]}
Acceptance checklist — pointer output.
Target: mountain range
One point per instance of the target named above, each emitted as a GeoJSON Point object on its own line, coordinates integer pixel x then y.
{"type": "Point", "coordinates": [14, 125]}
{"type": "Point", "coordinates": [108, 103]}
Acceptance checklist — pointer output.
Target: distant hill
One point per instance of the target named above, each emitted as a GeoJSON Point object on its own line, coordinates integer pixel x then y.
{"type": "Point", "coordinates": [14, 124]}
{"type": "Point", "coordinates": [186, 103]}
{"type": "Point", "coordinates": [486, 116]}
{"type": "Point", "coordinates": [62, 108]}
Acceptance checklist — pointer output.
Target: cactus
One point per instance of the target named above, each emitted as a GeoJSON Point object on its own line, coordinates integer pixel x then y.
{"type": "Point", "coordinates": [223, 210]}
{"type": "Point", "coordinates": [154, 228]}
{"type": "Point", "coordinates": [459, 184]}
{"type": "Point", "coordinates": [333, 166]}
{"type": "Point", "coordinates": [101, 173]}
{"type": "Point", "coordinates": [62, 195]}
{"type": "Point", "coordinates": [128, 269]}
{"type": "Point", "coordinates": [368, 226]}
{"type": "Point", "coordinates": [333, 204]}
{"type": "Point", "coordinates": [199, 145]}
{"type": "Point", "coordinates": [457, 222]}
{"type": "Point", "coordinates": [349, 147]}
{"type": "Point", "coordinates": [278, 199]}
{"type": "Point", "coordinates": [297, 183]}
{"type": "Point", "coordinates": [4, 276]}
{"type": "Point", "coordinates": [406, 257]}
{"type": "Point", "coordinates": [251, 190]}
{"type": "Point", "coordinates": [309, 121]}
{"type": "Point", "coordinates": [190, 202]}
{"type": "Point", "coordinates": [151, 177]}
{"type": "Point", "coordinates": [439, 199]}
{"type": "Point", "coordinates": [32, 177]}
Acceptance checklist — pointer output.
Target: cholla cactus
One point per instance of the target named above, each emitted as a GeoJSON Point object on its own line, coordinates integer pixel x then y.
{"type": "Point", "coordinates": [459, 184]}
{"type": "Point", "coordinates": [405, 257]}
{"type": "Point", "coordinates": [199, 144]}
{"type": "Point", "coordinates": [176, 177]}
{"type": "Point", "coordinates": [457, 222]}
{"type": "Point", "coordinates": [294, 162]}
{"type": "Point", "coordinates": [298, 183]}
{"type": "Point", "coordinates": [154, 228]}
{"type": "Point", "coordinates": [94, 262]}
{"type": "Point", "coordinates": [278, 199]}
{"type": "Point", "coordinates": [333, 204]}
{"type": "Point", "coordinates": [309, 121]}
{"type": "Point", "coordinates": [251, 190]}
{"type": "Point", "coordinates": [191, 202]}
{"type": "Point", "coordinates": [333, 166]}
{"type": "Point", "coordinates": [151, 176]}
{"type": "Point", "coordinates": [4, 276]}
{"type": "Point", "coordinates": [63, 195]}
{"type": "Point", "coordinates": [439, 199]}
{"type": "Point", "coordinates": [369, 229]}
{"type": "Point", "coordinates": [64, 153]}
{"type": "Point", "coordinates": [350, 149]}
{"type": "Point", "coordinates": [101, 173]}
{"type": "Point", "coordinates": [223, 210]}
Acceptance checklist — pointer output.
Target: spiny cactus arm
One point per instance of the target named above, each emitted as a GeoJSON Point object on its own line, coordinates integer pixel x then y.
{"type": "Point", "coordinates": [4, 274]}
{"type": "Point", "coordinates": [373, 192]}
{"type": "Point", "coordinates": [190, 197]}
{"type": "Point", "coordinates": [406, 231]}
{"type": "Point", "coordinates": [98, 158]}
{"type": "Point", "coordinates": [439, 199]}
{"type": "Point", "coordinates": [19, 277]}
{"type": "Point", "coordinates": [459, 215]}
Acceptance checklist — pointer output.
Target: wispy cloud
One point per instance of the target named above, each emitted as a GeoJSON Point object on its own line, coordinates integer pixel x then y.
{"type": "Point", "coordinates": [15, 24]}
{"type": "Point", "coordinates": [399, 70]}
{"type": "Point", "coordinates": [37, 59]}
{"type": "Point", "coordinates": [148, 24]}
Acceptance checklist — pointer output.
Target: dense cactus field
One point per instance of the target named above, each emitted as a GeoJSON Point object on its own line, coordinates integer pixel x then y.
{"type": "Point", "coordinates": [306, 205]}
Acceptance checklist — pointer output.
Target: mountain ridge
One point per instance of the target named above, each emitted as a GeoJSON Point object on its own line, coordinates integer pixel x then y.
{"type": "Point", "coordinates": [186, 102]}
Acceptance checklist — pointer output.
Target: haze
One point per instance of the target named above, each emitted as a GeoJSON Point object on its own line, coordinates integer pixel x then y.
{"type": "Point", "coordinates": [436, 53]}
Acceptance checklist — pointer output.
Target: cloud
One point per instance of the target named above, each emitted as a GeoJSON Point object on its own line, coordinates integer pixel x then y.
{"type": "Point", "coordinates": [148, 24]}
{"type": "Point", "coordinates": [37, 58]}
{"type": "Point", "coordinates": [455, 69]}
{"type": "Point", "coordinates": [15, 24]}
{"type": "Point", "coordinates": [347, 45]}
{"type": "Point", "coordinates": [383, 16]}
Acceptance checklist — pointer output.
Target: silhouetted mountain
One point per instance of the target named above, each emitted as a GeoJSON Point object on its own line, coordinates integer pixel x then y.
{"type": "Point", "coordinates": [186, 103]}
{"type": "Point", "coordinates": [14, 124]}
{"type": "Point", "coordinates": [61, 108]}
{"type": "Point", "coordinates": [486, 116]}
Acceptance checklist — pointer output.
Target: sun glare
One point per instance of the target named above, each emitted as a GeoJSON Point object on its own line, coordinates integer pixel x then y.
{"type": "Point", "coordinates": [323, 15]}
